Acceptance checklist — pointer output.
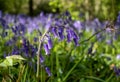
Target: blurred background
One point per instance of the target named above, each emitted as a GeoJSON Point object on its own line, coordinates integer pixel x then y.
{"type": "Point", "coordinates": [86, 9]}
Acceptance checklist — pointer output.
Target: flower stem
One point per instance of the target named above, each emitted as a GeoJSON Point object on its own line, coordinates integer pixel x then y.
{"type": "Point", "coordinates": [92, 36]}
{"type": "Point", "coordinates": [38, 52]}
{"type": "Point", "coordinates": [72, 69]}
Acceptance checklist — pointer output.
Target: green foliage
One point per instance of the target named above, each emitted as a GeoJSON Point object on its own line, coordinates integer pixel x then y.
{"type": "Point", "coordinates": [103, 9]}
{"type": "Point", "coordinates": [11, 60]}
{"type": "Point", "coordinates": [13, 6]}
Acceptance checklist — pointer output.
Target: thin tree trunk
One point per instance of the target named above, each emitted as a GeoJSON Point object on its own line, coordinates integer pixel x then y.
{"type": "Point", "coordinates": [31, 7]}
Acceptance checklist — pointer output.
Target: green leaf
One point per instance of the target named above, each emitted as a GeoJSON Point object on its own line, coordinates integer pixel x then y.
{"type": "Point", "coordinates": [11, 60]}
{"type": "Point", "coordinates": [6, 63]}
{"type": "Point", "coordinates": [16, 57]}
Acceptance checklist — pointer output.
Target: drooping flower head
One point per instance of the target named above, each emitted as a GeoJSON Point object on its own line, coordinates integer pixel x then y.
{"type": "Point", "coordinates": [47, 50]}
{"type": "Point", "coordinates": [41, 59]}
{"type": "Point", "coordinates": [48, 71]}
{"type": "Point", "coordinates": [50, 44]}
{"type": "Point", "coordinates": [60, 33]}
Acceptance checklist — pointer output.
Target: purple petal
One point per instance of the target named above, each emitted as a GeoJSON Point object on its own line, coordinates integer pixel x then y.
{"type": "Point", "coordinates": [46, 49]}
{"type": "Point", "coordinates": [41, 59]}
{"type": "Point", "coordinates": [48, 71]}
{"type": "Point", "coordinates": [76, 41]}
{"type": "Point", "coordinates": [54, 31]}
{"type": "Point", "coordinates": [60, 33]}
{"type": "Point", "coordinates": [49, 43]}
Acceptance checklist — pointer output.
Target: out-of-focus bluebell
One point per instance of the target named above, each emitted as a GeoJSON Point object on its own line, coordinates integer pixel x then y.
{"type": "Point", "coordinates": [118, 57]}
{"type": "Point", "coordinates": [109, 41]}
{"type": "Point", "coordinates": [118, 18]}
{"type": "Point", "coordinates": [19, 30]}
{"type": "Point", "coordinates": [97, 22]}
{"type": "Point", "coordinates": [54, 32]}
{"type": "Point", "coordinates": [60, 33]}
{"type": "Point", "coordinates": [47, 50]}
{"type": "Point", "coordinates": [35, 39]}
{"type": "Point", "coordinates": [78, 25]}
{"type": "Point", "coordinates": [75, 38]}
{"type": "Point", "coordinates": [0, 14]}
{"type": "Point", "coordinates": [117, 71]}
{"type": "Point", "coordinates": [49, 42]}
{"type": "Point", "coordinates": [69, 36]}
{"type": "Point", "coordinates": [48, 71]}
{"type": "Point", "coordinates": [41, 59]}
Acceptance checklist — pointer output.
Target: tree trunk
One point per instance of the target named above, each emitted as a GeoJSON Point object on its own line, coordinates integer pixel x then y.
{"type": "Point", "coordinates": [31, 7]}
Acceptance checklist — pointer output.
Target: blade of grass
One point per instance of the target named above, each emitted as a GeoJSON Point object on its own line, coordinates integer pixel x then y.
{"type": "Point", "coordinates": [95, 78]}
{"type": "Point", "coordinates": [25, 74]}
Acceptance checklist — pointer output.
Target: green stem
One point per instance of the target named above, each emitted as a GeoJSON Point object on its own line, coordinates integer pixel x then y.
{"type": "Point", "coordinates": [41, 75]}
{"type": "Point", "coordinates": [92, 36]}
{"type": "Point", "coordinates": [72, 69]}
{"type": "Point", "coordinates": [51, 59]}
{"type": "Point", "coordinates": [95, 78]}
{"type": "Point", "coordinates": [57, 65]}
{"type": "Point", "coordinates": [24, 79]}
{"type": "Point", "coordinates": [109, 77]}
{"type": "Point", "coordinates": [38, 52]}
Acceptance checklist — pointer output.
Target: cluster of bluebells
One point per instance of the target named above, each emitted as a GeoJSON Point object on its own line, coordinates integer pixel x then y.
{"type": "Point", "coordinates": [63, 28]}
{"type": "Point", "coordinates": [16, 29]}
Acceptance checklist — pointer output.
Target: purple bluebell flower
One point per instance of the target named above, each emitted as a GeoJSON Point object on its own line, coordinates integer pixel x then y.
{"type": "Point", "coordinates": [58, 22]}
{"type": "Point", "coordinates": [0, 14]}
{"type": "Point", "coordinates": [48, 24]}
{"type": "Point", "coordinates": [75, 38]}
{"type": "Point", "coordinates": [25, 47]}
{"type": "Point", "coordinates": [118, 57]}
{"type": "Point", "coordinates": [50, 44]}
{"type": "Point", "coordinates": [68, 36]}
{"type": "Point", "coordinates": [35, 39]}
{"type": "Point", "coordinates": [47, 50]}
{"type": "Point", "coordinates": [97, 22]}
{"type": "Point", "coordinates": [71, 35]}
{"type": "Point", "coordinates": [54, 31]}
{"type": "Point", "coordinates": [9, 43]}
{"type": "Point", "coordinates": [41, 59]}
{"type": "Point", "coordinates": [67, 13]}
{"type": "Point", "coordinates": [74, 35]}
{"type": "Point", "coordinates": [60, 33]}
{"type": "Point", "coordinates": [15, 51]}
{"type": "Point", "coordinates": [77, 25]}
{"type": "Point", "coordinates": [109, 41]}
{"type": "Point", "coordinates": [118, 18]}
{"type": "Point", "coordinates": [33, 50]}
{"type": "Point", "coordinates": [76, 41]}
{"type": "Point", "coordinates": [14, 30]}
{"type": "Point", "coordinates": [48, 71]}
{"type": "Point", "coordinates": [117, 71]}
{"type": "Point", "coordinates": [19, 30]}
{"type": "Point", "coordinates": [4, 23]}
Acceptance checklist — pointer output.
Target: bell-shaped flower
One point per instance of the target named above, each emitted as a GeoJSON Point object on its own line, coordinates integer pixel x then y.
{"type": "Point", "coordinates": [50, 44]}
{"type": "Point", "coordinates": [48, 71]}
{"type": "Point", "coordinates": [47, 50]}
